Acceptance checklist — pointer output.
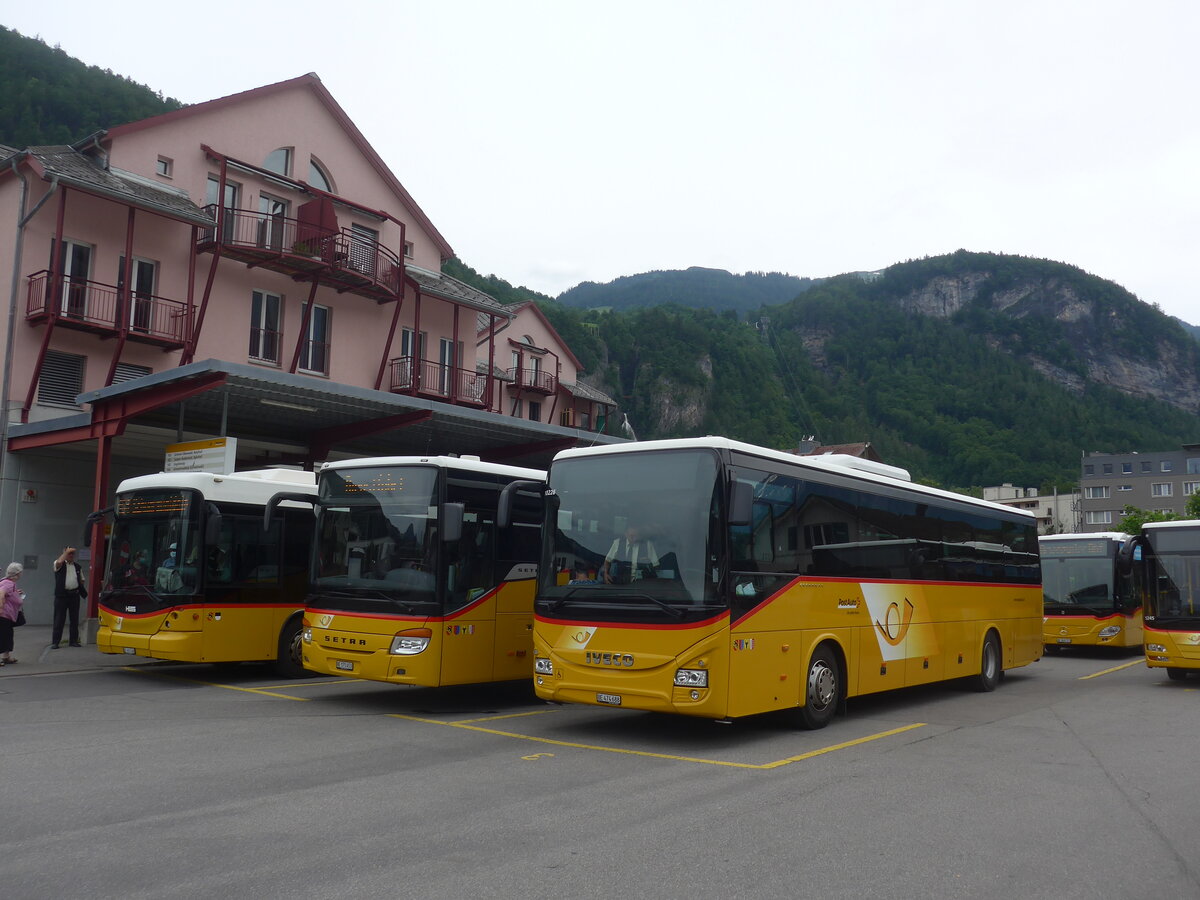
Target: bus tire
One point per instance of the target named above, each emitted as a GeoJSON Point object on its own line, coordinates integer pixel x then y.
{"type": "Point", "coordinates": [289, 658]}
{"type": "Point", "coordinates": [990, 667]}
{"type": "Point", "coordinates": [822, 689]}
{"type": "Point", "coordinates": [1177, 674]}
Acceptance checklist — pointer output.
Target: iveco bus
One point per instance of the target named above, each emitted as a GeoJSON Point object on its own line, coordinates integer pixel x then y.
{"type": "Point", "coordinates": [717, 579]}
{"type": "Point", "coordinates": [193, 577]}
{"type": "Point", "coordinates": [1166, 555]}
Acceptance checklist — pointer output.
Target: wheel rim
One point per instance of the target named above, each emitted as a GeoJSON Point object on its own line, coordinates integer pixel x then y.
{"type": "Point", "coordinates": [297, 649]}
{"type": "Point", "coordinates": [989, 660]}
{"type": "Point", "coordinates": [822, 685]}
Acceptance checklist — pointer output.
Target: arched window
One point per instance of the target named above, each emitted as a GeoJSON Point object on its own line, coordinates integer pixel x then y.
{"type": "Point", "coordinates": [317, 176]}
{"type": "Point", "coordinates": [279, 161]}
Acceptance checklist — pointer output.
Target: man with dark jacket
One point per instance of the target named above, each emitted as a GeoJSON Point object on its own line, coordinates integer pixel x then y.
{"type": "Point", "coordinates": [68, 591]}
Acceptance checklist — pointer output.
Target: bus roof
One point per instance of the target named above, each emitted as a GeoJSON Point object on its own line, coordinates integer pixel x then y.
{"type": "Point", "coordinates": [465, 463]}
{"type": "Point", "coordinates": [1178, 523]}
{"type": "Point", "coordinates": [867, 470]}
{"type": "Point", "coordinates": [1086, 535]}
{"type": "Point", "coordinates": [252, 486]}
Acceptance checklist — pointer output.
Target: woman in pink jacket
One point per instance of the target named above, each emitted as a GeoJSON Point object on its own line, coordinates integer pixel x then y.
{"type": "Point", "coordinates": [12, 599]}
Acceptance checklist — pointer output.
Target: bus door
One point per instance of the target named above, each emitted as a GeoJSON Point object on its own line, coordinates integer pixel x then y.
{"type": "Point", "coordinates": [243, 603]}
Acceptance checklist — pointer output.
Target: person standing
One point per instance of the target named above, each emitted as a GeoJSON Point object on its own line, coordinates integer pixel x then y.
{"type": "Point", "coordinates": [68, 591]}
{"type": "Point", "coordinates": [12, 599]}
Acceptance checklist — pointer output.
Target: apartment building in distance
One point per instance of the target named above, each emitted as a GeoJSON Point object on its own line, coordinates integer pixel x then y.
{"type": "Point", "coordinates": [1057, 513]}
{"type": "Point", "coordinates": [1157, 481]}
{"type": "Point", "coordinates": [246, 269]}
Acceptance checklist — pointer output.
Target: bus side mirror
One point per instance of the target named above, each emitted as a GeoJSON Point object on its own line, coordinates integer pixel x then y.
{"type": "Point", "coordinates": [212, 526]}
{"type": "Point", "coordinates": [273, 503]}
{"type": "Point", "coordinates": [1126, 555]}
{"type": "Point", "coordinates": [90, 524]}
{"type": "Point", "coordinates": [741, 503]}
{"type": "Point", "coordinates": [452, 521]}
{"type": "Point", "coordinates": [505, 503]}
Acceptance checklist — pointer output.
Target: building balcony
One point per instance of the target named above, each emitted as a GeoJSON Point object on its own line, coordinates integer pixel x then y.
{"type": "Point", "coordinates": [536, 380]}
{"type": "Point", "coordinates": [434, 381]}
{"type": "Point", "coordinates": [106, 310]}
{"type": "Point", "coordinates": [338, 259]}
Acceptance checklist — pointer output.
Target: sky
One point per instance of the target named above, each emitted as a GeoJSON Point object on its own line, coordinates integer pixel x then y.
{"type": "Point", "coordinates": [557, 142]}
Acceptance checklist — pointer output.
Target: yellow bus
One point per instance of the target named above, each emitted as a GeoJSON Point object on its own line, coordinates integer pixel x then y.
{"type": "Point", "coordinates": [1166, 557]}
{"type": "Point", "coordinates": [413, 582]}
{"type": "Point", "coordinates": [1088, 602]}
{"type": "Point", "coordinates": [193, 577]}
{"type": "Point", "coordinates": [718, 579]}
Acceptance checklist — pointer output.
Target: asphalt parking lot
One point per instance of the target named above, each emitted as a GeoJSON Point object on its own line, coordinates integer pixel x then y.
{"type": "Point", "coordinates": [1076, 778]}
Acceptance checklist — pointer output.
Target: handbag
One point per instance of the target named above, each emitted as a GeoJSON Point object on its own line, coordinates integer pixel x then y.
{"type": "Point", "coordinates": [20, 620]}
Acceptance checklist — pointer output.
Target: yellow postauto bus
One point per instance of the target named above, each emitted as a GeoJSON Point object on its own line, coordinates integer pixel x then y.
{"type": "Point", "coordinates": [413, 582]}
{"type": "Point", "coordinates": [193, 577]}
{"type": "Point", "coordinates": [718, 579]}
{"type": "Point", "coordinates": [1166, 558]}
{"type": "Point", "coordinates": [1087, 601]}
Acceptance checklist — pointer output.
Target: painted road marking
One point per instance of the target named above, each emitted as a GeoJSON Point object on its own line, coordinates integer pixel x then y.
{"type": "Point", "coordinates": [228, 687]}
{"type": "Point", "coordinates": [1113, 669]}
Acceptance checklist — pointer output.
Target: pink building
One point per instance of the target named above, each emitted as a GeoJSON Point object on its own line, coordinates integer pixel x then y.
{"type": "Point", "coordinates": [247, 267]}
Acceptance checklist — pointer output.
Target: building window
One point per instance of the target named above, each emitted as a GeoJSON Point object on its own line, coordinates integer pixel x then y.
{"type": "Point", "coordinates": [1166, 466]}
{"type": "Point", "coordinates": [314, 352]}
{"type": "Point", "coordinates": [535, 411]}
{"type": "Point", "coordinates": [61, 379]}
{"type": "Point", "coordinates": [164, 166]}
{"type": "Point", "coordinates": [1161, 489]}
{"type": "Point", "coordinates": [279, 161]}
{"type": "Point", "coordinates": [318, 177]}
{"type": "Point", "coordinates": [1193, 465]}
{"type": "Point", "coordinates": [1127, 468]}
{"type": "Point", "coordinates": [1108, 469]}
{"type": "Point", "coordinates": [408, 250]}
{"type": "Point", "coordinates": [1166, 512]}
{"type": "Point", "coordinates": [1089, 470]}
{"type": "Point", "coordinates": [128, 371]}
{"type": "Point", "coordinates": [264, 327]}
{"type": "Point", "coordinates": [1096, 493]}
{"type": "Point", "coordinates": [1190, 487]}
{"type": "Point", "coordinates": [1125, 487]}
{"type": "Point", "coordinates": [516, 408]}
{"type": "Point", "coordinates": [1098, 517]}
{"type": "Point", "coordinates": [1146, 465]}
{"type": "Point", "coordinates": [141, 301]}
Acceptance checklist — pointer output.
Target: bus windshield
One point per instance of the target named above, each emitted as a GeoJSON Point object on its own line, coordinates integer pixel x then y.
{"type": "Point", "coordinates": [1078, 576]}
{"type": "Point", "coordinates": [1174, 583]}
{"type": "Point", "coordinates": [155, 544]}
{"type": "Point", "coordinates": [377, 538]}
{"type": "Point", "coordinates": [633, 530]}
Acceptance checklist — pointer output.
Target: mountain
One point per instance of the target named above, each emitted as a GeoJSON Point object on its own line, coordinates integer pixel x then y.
{"type": "Point", "coordinates": [695, 287]}
{"type": "Point", "coordinates": [47, 97]}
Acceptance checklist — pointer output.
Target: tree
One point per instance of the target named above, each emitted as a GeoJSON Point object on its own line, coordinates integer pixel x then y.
{"type": "Point", "coordinates": [1134, 518]}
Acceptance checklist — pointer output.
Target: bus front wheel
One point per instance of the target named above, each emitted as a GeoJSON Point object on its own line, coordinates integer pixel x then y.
{"type": "Point", "coordinates": [823, 689]}
{"type": "Point", "coordinates": [289, 658]}
{"type": "Point", "coordinates": [1177, 674]}
{"type": "Point", "coordinates": [989, 665]}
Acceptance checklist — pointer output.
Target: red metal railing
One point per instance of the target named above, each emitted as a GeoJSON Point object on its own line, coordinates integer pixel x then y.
{"type": "Point", "coordinates": [534, 380]}
{"type": "Point", "coordinates": [462, 386]}
{"type": "Point", "coordinates": [264, 345]}
{"type": "Point", "coordinates": [104, 306]}
{"type": "Point", "coordinates": [342, 253]}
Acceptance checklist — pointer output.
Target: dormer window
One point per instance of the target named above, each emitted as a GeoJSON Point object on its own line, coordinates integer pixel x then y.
{"type": "Point", "coordinates": [279, 161]}
{"type": "Point", "coordinates": [318, 178]}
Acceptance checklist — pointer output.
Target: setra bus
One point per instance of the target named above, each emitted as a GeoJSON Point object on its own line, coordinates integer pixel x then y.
{"type": "Point", "coordinates": [412, 580]}
{"type": "Point", "coordinates": [1088, 602]}
{"type": "Point", "coordinates": [193, 577]}
{"type": "Point", "coordinates": [1166, 558]}
{"type": "Point", "coordinates": [718, 579]}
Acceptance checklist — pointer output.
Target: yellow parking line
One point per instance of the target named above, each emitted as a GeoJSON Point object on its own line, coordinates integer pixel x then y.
{"type": "Point", "coordinates": [520, 715]}
{"type": "Point", "coordinates": [648, 754]}
{"type": "Point", "coordinates": [228, 687]}
{"type": "Point", "coordinates": [300, 684]}
{"type": "Point", "coordinates": [1136, 662]}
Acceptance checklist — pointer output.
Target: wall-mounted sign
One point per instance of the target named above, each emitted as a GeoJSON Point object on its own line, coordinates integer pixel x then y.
{"type": "Point", "coordinates": [217, 455]}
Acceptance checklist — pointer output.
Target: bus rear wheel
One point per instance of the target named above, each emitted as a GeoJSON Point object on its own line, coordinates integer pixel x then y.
{"type": "Point", "coordinates": [289, 658]}
{"type": "Point", "coordinates": [990, 670]}
{"type": "Point", "coordinates": [822, 689]}
{"type": "Point", "coordinates": [1177, 674]}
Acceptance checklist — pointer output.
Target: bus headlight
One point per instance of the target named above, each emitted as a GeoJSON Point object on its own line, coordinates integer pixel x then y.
{"type": "Point", "coordinates": [1110, 631]}
{"type": "Point", "coordinates": [1156, 648]}
{"type": "Point", "coordinates": [693, 678]}
{"type": "Point", "coordinates": [306, 634]}
{"type": "Point", "coordinates": [543, 665]}
{"type": "Point", "coordinates": [411, 642]}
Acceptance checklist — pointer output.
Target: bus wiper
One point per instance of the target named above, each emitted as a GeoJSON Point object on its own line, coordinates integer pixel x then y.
{"type": "Point", "coordinates": [559, 602]}
{"type": "Point", "coordinates": [673, 610]}
{"type": "Point", "coordinates": [371, 593]}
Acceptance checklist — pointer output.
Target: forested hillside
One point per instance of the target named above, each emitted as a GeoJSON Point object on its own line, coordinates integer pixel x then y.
{"type": "Point", "coordinates": [47, 97]}
{"type": "Point", "coordinates": [695, 287]}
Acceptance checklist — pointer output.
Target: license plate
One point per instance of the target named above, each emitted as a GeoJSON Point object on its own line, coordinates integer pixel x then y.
{"type": "Point", "coordinates": [129, 651]}
{"type": "Point", "coordinates": [1064, 640]}
{"type": "Point", "coordinates": [610, 699]}
{"type": "Point", "coordinates": [345, 665]}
